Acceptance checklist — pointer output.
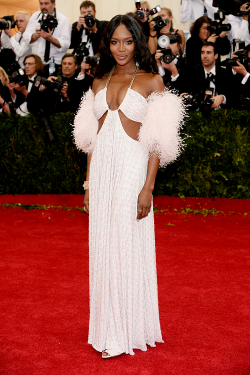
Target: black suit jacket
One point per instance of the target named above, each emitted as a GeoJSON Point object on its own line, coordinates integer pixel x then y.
{"type": "Point", "coordinates": [95, 38]}
{"type": "Point", "coordinates": [240, 91]}
{"type": "Point", "coordinates": [194, 81]}
{"type": "Point", "coordinates": [34, 99]}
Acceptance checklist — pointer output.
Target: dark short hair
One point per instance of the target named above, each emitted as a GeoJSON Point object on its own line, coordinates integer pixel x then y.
{"type": "Point", "coordinates": [195, 28]}
{"type": "Point", "coordinates": [86, 4]}
{"type": "Point", "coordinates": [70, 55]}
{"type": "Point", "coordinates": [142, 55]}
{"type": "Point", "coordinates": [38, 62]}
{"type": "Point", "coordinates": [207, 44]}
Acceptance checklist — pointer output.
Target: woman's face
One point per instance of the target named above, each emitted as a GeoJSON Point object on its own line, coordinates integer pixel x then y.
{"type": "Point", "coordinates": [204, 33]}
{"type": "Point", "coordinates": [122, 45]}
{"type": "Point", "coordinates": [165, 15]}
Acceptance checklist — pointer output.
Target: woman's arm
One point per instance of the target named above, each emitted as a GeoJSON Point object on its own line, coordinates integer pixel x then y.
{"type": "Point", "coordinates": [86, 196]}
{"type": "Point", "coordinates": [145, 196]}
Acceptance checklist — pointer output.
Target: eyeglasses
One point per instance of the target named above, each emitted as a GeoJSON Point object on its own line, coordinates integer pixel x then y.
{"type": "Point", "coordinates": [28, 64]}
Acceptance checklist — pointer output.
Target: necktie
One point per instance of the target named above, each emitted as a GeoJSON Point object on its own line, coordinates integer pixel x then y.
{"type": "Point", "coordinates": [210, 78]}
{"type": "Point", "coordinates": [47, 51]}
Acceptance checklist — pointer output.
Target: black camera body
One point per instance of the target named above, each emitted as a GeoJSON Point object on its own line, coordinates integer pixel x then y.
{"type": "Point", "coordinates": [82, 52]}
{"type": "Point", "coordinates": [139, 11]}
{"type": "Point", "coordinates": [89, 20]}
{"type": "Point", "coordinates": [217, 26]}
{"type": "Point", "coordinates": [18, 76]}
{"type": "Point", "coordinates": [48, 21]}
{"type": "Point", "coordinates": [159, 23]}
{"type": "Point", "coordinates": [163, 43]}
{"type": "Point", "coordinates": [232, 6]}
{"type": "Point", "coordinates": [93, 61]}
{"type": "Point", "coordinates": [205, 105]}
{"type": "Point", "coordinates": [242, 57]}
{"type": "Point", "coordinates": [56, 86]}
{"type": "Point", "coordinates": [192, 101]}
{"type": "Point", "coordinates": [6, 22]}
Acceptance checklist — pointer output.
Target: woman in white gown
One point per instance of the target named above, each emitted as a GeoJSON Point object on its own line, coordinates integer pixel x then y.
{"type": "Point", "coordinates": [128, 125]}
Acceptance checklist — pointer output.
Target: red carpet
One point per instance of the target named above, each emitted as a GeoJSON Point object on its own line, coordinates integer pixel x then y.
{"type": "Point", "coordinates": [203, 277]}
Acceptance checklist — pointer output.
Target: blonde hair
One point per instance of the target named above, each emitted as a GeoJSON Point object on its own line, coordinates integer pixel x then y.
{"type": "Point", "coordinates": [170, 14]}
{"type": "Point", "coordinates": [5, 77]}
{"type": "Point", "coordinates": [27, 15]}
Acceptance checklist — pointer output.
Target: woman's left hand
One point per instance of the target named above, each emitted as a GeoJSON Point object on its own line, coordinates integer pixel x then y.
{"type": "Point", "coordinates": [144, 203]}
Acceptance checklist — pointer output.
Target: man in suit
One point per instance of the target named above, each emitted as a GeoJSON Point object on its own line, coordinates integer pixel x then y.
{"type": "Point", "coordinates": [208, 76]}
{"type": "Point", "coordinates": [82, 33]}
{"type": "Point", "coordinates": [27, 98]}
{"type": "Point", "coordinates": [241, 83]}
{"type": "Point", "coordinates": [73, 87]}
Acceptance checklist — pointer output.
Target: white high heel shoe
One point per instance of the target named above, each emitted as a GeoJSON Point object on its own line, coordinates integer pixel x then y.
{"type": "Point", "coordinates": [109, 353]}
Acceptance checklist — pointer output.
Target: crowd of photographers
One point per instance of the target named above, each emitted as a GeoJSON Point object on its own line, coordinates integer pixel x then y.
{"type": "Point", "coordinates": [209, 71]}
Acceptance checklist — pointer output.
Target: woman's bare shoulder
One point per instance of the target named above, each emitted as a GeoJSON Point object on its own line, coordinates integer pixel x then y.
{"type": "Point", "coordinates": [153, 82]}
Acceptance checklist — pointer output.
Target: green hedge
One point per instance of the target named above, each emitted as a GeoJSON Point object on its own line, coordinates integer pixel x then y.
{"type": "Point", "coordinates": [215, 162]}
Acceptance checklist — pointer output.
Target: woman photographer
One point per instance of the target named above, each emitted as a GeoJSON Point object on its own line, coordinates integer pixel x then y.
{"type": "Point", "coordinates": [167, 16]}
{"type": "Point", "coordinates": [200, 33]}
{"type": "Point", "coordinates": [124, 125]}
{"type": "Point", "coordinates": [5, 97]}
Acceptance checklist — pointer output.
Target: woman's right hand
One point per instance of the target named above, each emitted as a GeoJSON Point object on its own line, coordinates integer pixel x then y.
{"type": "Point", "coordinates": [212, 38]}
{"type": "Point", "coordinates": [86, 202]}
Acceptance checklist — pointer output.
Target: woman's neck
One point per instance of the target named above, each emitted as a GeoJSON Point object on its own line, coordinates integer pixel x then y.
{"type": "Point", "coordinates": [125, 69]}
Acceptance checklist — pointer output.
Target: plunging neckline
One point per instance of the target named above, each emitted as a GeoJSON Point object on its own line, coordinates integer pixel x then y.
{"type": "Point", "coordinates": [129, 88]}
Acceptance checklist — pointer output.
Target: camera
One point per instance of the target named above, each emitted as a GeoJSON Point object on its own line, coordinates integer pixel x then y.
{"type": "Point", "coordinates": [17, 75]}
{"type": "Point", "coordinates": [163, 43]}
{"type": "Point", "coordinates": [232, 6]}
{"type": "Point", "coordinates": [205, 105]}
{"type": "Point", "coordinates": [6, 22]}
{"type": "Point", "coordinates": [93, 61]}
{"type": "Point", "coordinates": [192, 101]}
{"type": "Point", "coordinates": [89, 20]}
{"type": "Point", "coordinates": [139, 11]}
{"type": "Point", "coordinates": [159, 23]}
{"type": "Point", "coordinates": [81, 52]}
{"type": "Point", "coordinates": [242, 56]}
{"type": "Point", "coordinates": [48, 21]}
{"type": "Point", "coordinates": [56, 85]}
{"type": "Point", "coordinates": [217, 26]}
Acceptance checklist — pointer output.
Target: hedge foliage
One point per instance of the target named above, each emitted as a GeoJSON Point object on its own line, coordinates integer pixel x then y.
{"type": "Point", "coordinates": [215, 162]}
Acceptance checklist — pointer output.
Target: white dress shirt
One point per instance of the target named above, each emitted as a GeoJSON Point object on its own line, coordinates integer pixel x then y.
{"type": "Point", "coordinates": [62, 33]}
{"type": "Point", "coordinates": [5, 40]}
{"type": "Point", "coordinates": [212, 84]}
{"type": "Point", "coordinates": [85, 39]}
{"type": "Point", "coordinates": [191, 10]}
{"type": "Point", "coordinates": [22, 110]}
{"type": "Point", "coordinates": [239, 29]}
{"type": "Point", "coordinates": [20, 48]}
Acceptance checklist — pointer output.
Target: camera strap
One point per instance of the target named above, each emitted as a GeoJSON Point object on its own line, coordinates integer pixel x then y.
{"type": "Point", "coordinates": [47, 46]}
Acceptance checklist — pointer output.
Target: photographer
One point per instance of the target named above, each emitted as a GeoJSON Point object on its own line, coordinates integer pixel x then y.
{"type": "Point", "coordinates": [170, 64]}
{"type": "Point", "coordinates": [7, 56]}
{"type": "Point", "coordinates": [87, 29]}
{"type": "Point", "coordinates": [5, 97]}
{"type": "Point", "coordinates": [20, 48]}
{"type": "Point", "coordinates": [144, 8]}
{"type": "Point", "coordinates": [208, 75]}
{"type": "Point", "coordinates": [50, 43]}
{"type": "Point", "coordinates": [26, 96]}
{"type": "Point", "coordinates": [165, 29]}
{"type": "Point", "coordinates": [191, 10]}
{"type": "Point", "coordinates": [73, 87]}
{"type": "Point", "coordinates": [240, 24]}
{"type": "Point", "coordinates": [241, 83]}
{"type": "Point", "coordinates": [200, 33]}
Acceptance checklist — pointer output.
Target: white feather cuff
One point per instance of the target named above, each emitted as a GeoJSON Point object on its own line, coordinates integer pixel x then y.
{"type": "Point", "coordinates": [160, 130]}
{"type": "Point", "coordinates": [85, 124]}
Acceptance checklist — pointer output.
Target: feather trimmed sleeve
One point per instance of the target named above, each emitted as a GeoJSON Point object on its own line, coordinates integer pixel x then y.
{"type": "Point", "coordinates": [160, 130]}
{"type": "Point", "coordinates": [85, 125]}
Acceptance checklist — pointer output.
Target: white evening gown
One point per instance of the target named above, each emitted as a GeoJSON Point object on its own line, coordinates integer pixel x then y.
{"type": "Point", "coordinates": [123, 284]}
